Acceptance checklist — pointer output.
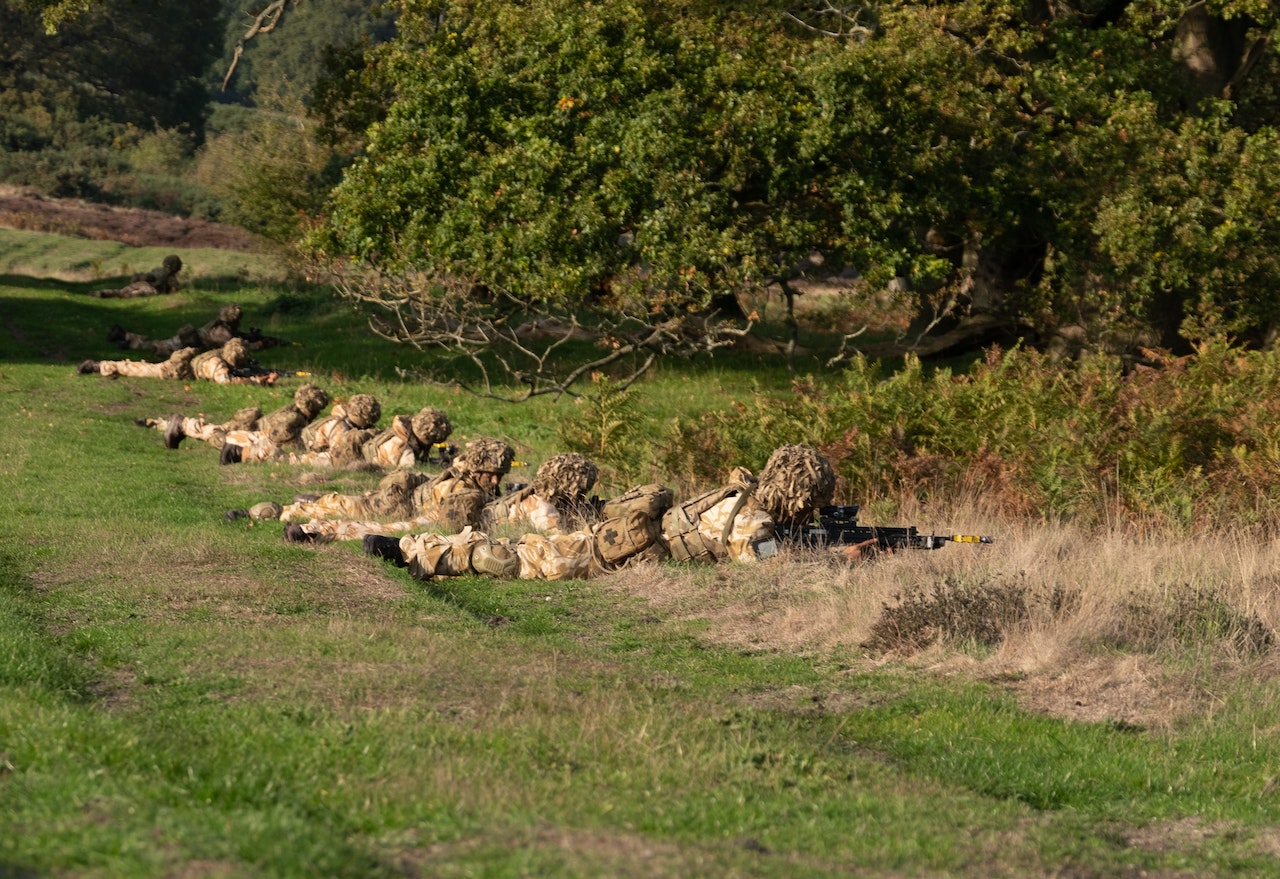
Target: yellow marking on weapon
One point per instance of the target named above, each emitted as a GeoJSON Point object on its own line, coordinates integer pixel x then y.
{"type": "Point", "coordinates": [969, 538]}
{"type": "Point", "coordinates": [519, 463]}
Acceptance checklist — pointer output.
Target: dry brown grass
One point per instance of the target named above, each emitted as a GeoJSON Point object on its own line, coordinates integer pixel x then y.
{"type": "Point", "coordinates": [1117, 627]}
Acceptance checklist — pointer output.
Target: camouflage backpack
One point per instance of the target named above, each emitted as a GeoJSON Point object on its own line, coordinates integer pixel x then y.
{"type": "Point", "coordinates": [628, 527]}
{"type": "Point", "coordinates": [680, 525]}
{"type": "Point", "coordinates": [245, 419]}
{"type": "Point", "coordinates": [394, 495]}
{"type": "Point", "coordinates": [348, 449]}
{"type": "Point", "coordinates": [400, 426]}
{"type": "Point", "coordinates": [619, 538]}
{"type": "Point", "coordinates": [652, 499]}
{"type": "Point", "coordinates": [283, 426]}
{"type": "Point", "coordinates": [452, 499]}
{"type": "Point", "coordinates": [460, 509]}
{"type": "Point", "coordinates": [499, 510]}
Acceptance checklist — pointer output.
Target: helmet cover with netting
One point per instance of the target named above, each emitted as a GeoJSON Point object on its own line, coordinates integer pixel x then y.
{"type": "Point", "coordinates": [565, 479]}
{"type": "Point", "coordinates": [794, 483]}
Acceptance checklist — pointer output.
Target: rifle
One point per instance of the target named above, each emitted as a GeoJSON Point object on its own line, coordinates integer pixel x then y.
{"type": "Point", "coordinates": [838, 526]}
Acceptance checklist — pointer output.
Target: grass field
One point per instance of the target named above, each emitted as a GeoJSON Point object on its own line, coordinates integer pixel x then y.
{"type": "Point", "coordinates": [186, 696]}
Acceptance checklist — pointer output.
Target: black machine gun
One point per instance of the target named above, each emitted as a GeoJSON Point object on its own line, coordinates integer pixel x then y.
{"type": "Point", "coordinates": [838, 526]}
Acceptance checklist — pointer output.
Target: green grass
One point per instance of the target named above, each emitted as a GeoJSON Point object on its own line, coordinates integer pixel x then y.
{"type": "Point", "coordinates": [183, 695]}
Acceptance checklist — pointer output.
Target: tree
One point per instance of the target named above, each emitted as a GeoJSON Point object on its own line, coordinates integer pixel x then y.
{"type": "Point", "coordinates": [618, 163]}
{"type": "Point", "coordinates": [118, 61]}
{"type": "Point", "coordinates": [1097, 171]}
{"type": "Point", "coordinates": [1051, 169]}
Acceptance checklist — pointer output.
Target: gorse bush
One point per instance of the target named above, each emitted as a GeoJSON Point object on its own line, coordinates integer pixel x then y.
{"type": "Point", "coordinates": [1184, 618]}
{"type": "Point", "coordinates": [1176, 442]}
{"type": "Point", "coordinates": [952, 612]}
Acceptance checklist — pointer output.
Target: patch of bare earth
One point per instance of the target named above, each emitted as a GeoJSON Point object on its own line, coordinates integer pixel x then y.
{"type": "Point", "coordinates": [1126, 689]}
{"type": "Point", "coordinates": [29, 211]}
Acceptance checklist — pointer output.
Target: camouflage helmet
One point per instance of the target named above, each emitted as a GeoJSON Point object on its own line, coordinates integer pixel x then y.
{"type": "Point", "coordinates": [236, 352]}
{"type": "Point", "coordinates": [310, 399]}
{"type": "Point", "coordinates": [431, 426]}
{"type": "Point", "coordinates": [565, 479]}
{"type": "Point", "coordinates": [485, 455]}
{"type": "Point", "coordinates": [795, 482]}
{"type": "Point", "coordinates": [230, 313]}
{"type": "Point", "coordinates": [172, 264]}
{"type": "Point", "coordinates": [363, 410]}
{"type": "Point", "coordinates": [265, 510]}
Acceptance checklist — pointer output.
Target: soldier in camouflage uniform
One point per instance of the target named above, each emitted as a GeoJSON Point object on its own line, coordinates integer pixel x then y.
{"type": "Point", "coordinates": [557, 494]}
{"type": "Point", "coordinates": [158, 281]}
{"type": "Point", "coordinates": [451, 500]}
{"type": "Point", "coordinates": [221, 365]}
{"type": "Point", "coordinates": [281, 428]}
{"type": "Point", "coordinates": [732, 523]}
{"type": "Point", "coordinates": [177, 366]}
{"type": "Point", "coordinates": [360, 412]}
{"type": "Point", "coordinates": [214, 334]}
{"type": "Point", "coordinates": [408, 441]}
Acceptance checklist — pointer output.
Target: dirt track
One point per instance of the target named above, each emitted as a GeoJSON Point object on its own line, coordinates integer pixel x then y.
{"type": "Point", "coordinates": [137, 228]}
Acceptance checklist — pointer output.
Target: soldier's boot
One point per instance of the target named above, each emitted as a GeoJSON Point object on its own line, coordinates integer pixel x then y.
{"type": "Point", "coordinates": [145, 422]}
{"type": "Point", "coordinates": [231, 454]}
{"type": "Point", "coordinates": [88, 367]}
{"type": "Point", "coordinates": [495, 560]}
{"type": "Point", "coordinates": [173, 433]}
{"type": "Point", "coordinates": [115, 334]}
{"type": "Point", "coordinates": [295, 533]}
{"type": "Point", "coordinates": [387, 548]}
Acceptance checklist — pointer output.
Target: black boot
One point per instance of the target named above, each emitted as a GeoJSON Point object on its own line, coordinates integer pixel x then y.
{"type": "Point", "coordinates": [173, 435]}
{"type": "Point", "coordinates": [231, 454]}
{"type": "Point", "coordinates": [294, 533]}
{"type": "Point", "coordinates": [385, 548]}
{"type": "Point", "coordinates": [115, 334]}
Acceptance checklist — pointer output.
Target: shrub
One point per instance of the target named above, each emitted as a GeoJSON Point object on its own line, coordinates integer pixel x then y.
{"type": "Point", "coordinates": [1178, 442]}
{"type": "Point", "coordinates": [951, 612]}
{"type": "Point", "coordinates": [1186, 618]}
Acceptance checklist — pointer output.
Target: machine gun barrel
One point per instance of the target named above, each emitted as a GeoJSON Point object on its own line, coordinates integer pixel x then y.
{"type": "Point", "coordinates": [838, 526]}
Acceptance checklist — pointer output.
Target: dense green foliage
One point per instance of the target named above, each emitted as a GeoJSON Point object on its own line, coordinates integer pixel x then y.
{"type": "Point", "coordinates": [1186, 442]}
{"type": "Point", "coordinates": [1056, 166]}
{"type": "Point", "coordinates": [294, 52]}
{"type": "Point", "coordinates": [110, 106]}
{"type": "Point", "coordinates": [116, 103]}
